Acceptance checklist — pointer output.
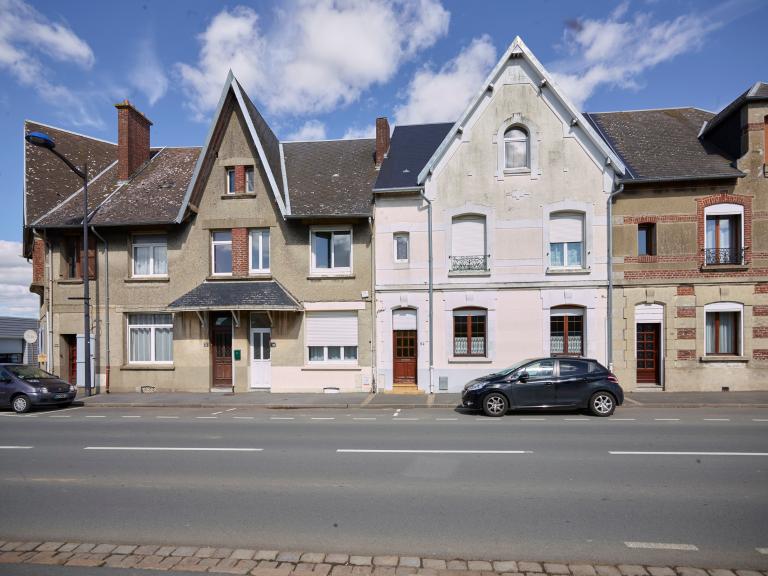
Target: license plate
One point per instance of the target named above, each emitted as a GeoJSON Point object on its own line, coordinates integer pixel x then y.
{"type": "Point", "coordinates": [60, 396]}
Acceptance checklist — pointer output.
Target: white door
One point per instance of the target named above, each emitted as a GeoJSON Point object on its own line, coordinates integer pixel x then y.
{"type": "Point", "coordinates": [81, 360]}
{"type": "Point", "coordinates": [261, 365]}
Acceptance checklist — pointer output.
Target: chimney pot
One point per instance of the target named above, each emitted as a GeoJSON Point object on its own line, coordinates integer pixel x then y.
{"type": "Point", "coordinates": [382, 139]}
{"type": "Point", "coordinates": [132, 139]}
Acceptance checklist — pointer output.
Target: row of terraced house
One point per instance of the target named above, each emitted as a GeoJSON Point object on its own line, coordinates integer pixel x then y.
{"type": "Point", "coordinates": [415, 260]}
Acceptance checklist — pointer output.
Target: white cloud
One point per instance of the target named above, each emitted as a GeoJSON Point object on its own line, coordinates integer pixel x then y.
{"type": "Point", "coordinates": [16, 274]}
{"type": "Point", "coordinates": [356, 132]}
{"type": "Point", "coordinates": [317, 54]}
{"type": "Point", "coordinates": [441, 96]}
{"type": "Point", "coordinates": [26, 35]}
{"type": "Point", "coordinates": [147, 74]}
{"type": "Point", "coordinates": [310, 130]}
{"type": "Point", "coordinates": [615, 51]}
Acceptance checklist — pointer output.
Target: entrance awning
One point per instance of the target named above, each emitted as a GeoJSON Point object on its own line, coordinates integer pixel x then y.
{"type": "Point", "coordinates": [238, 295]}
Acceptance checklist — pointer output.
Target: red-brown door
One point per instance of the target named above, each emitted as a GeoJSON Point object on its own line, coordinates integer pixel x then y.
{"type": "Point", "coordinates": [404, 345]}
{"type": "Point", "coordinates": [648, 354]}
{"type": "Point", "coordinates": [221, 350]}
{"type": "Point", "coordinates": [71, 366]}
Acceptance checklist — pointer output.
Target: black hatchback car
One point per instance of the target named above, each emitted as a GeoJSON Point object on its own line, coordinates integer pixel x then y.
{"type": "Point", "coordinates": [23, 386]}
{"type": "Point", "coordinates": [578, 383]}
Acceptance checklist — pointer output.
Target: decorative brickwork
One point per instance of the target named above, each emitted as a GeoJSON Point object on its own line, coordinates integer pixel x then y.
{"type": "Point", "coordinates": [702, 203]}
{"type": "Point", "coordinates": [686, 354]}
{"type": "Point", "coordinates": [240, 251]}
{"type": "Point", "coordinates": [686, 311]}
{"type": "Point", "coordinates": [761, 288]}
{"type": "Point", "coordinates": [662, 218]}
{"type": "Point", "coordinates": [760, 354]}
{"type": "Point", "coordinates": [686, 290]}
{"type": "Point", "coordinates": [760, 310]}
{"type": "Point", "coordinates": [38, 261]}
{"type": "Point", "coordinates": [686, 333]}
{"type": "Point", "coordinates": [691, 274]}
{"type": "Point", "coordinates": [760, 332]}
{"type": "Point", "coordinates": [239, 179]}
{"type": "Point", "coordinates": [664, 258]}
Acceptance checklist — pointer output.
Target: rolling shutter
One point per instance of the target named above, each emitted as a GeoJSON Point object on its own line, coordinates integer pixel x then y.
{"type": "Point", "coordinates": [566, 227]}
{"type": "Point", "coordinates": [404, 319]}
{"type": "Point", "coordinates": [331, 328]}
{"type": "Point", "coordinates": [468, 236]}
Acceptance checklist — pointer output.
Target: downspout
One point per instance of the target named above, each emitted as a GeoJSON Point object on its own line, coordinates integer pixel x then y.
{"type": "Point", "coordinates": [48, 315]}
{"type": "Point", "coordinates": [374, 332]}
{"type": "Point", "coordinates": [609, 325]}
{"type": "Point", "coordinates": [431, 331]}
{"type": "Point", "coordinates": [106, 303]}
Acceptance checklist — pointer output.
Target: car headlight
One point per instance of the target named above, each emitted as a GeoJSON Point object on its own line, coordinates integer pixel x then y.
{"type": "Point", "coordinates": [476, 386]}
{"type": "Point", "coordinates": [43, 390]}
{"type": "Point", "coordinates": [72, 388]}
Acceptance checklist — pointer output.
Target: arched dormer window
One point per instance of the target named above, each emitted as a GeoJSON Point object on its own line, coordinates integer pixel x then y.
{"type": "Point", "coordinates": [516, 147]}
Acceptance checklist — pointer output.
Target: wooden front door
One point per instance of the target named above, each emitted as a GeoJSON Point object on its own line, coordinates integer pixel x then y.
{"type": "Point", "coordinates": [221, 350]}
{"type": "Point", "coordinates": [404, 346]}
{"type": "Point", "coordinates": [71, 358]}
{"type": "Point", "coordinates": [648, 354]}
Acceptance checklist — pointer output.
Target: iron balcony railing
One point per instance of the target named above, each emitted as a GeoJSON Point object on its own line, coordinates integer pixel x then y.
{"type": "Point", "coordinates": [470, 263]}
{"type": "Point", "coordinates": [714, 256]}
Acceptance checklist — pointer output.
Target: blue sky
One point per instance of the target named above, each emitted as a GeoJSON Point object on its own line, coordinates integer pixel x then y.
{"type": "Point", "coordinates": [327, 68]}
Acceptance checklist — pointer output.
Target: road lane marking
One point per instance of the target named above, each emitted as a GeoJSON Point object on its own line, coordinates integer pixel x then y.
{"type": "Point", "coordinates": [230, 409]}
{"type": "Point", "coordinates": [216, 413]}
{"type": "Point", "coordinates": [717, 419]}
{"type": "Point", "coordinates": [576, 419]}
{"type": "Point", "coordinates": [243, 417]}
{"type": "Point", "coordinates": [759, 419]}
{"type": "Point", "coordinates": [206, 417]}
{"type": "Point", "coordinates": [130, 416]}
{"type": "Point", "coordinates": [362, 451]}
{"type": "Point", "coordinates": [172, 449]}
{"type": "Point", "coordinates": [661, 546]}
{"type": "Point", "coordinates": [667, 419]}
{"type": "Point", "coordinates": [323, 418]}
{"type": "Point", "coordinates": [625, 453]}
{"type": "Point", "coordinates": [14, 415]}
{"type": "Point", "coordinates": [281, 418]}
{"type": "Point", "coordinates": [167, 417]}
{"type": "Point", "coordinates": [445, 419]}
{"type": "Point", "coordinates": [68, 409]}
{"type": "Point", "coordinates": [95, 416]}
{"type": "Point", "coordinates": [16, 447]}
{"type": "Point", "coordinates": [366, 418]}
{"type": "Point", "coordinates": [401, 419]}
{"type": "Point", "coordinates": [762, 550]}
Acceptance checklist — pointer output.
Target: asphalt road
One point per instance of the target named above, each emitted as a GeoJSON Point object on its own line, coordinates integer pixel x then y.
{"type": "Point", "coordinates": [423, 482]}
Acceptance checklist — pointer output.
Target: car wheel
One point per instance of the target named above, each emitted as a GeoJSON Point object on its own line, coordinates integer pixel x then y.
{"type": "Point", "coordinates": [495, 404]}
{"type": "Point", "coordinates": [21, 404]}
{"type": "Point", "coordinates": [602, 404]}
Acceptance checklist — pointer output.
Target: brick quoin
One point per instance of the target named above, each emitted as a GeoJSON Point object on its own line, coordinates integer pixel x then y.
{"type": "Point", "coordinates": [761, 354]}
{"type": "Point", "coordinates": [686, 333]}
{"type": "Point", "coordinates": [760, 332]}
{"type": "Point", "coordinates": [761, 288]}
{"type": "Point", "coordinates": [38, 261]}
{"type": "Point", "coordinates": [239, 179]}
{"type": "Point", "coordinates": [686, 311]}
{"type": "Point", "coordinates": [702, 203]}
{"type": "Point", "coordinates": [686, 290]}
{"type": "Point", "coordinates": [686, 354]}
{"type": "Point", "coordinates": [240, 251]}
{"type": "Point", "coordinates": [760, 310]}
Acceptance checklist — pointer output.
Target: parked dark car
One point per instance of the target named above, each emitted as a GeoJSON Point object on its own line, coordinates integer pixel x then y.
{"type": "Point", "coordinates": [578, 383]}
{"type": "Point", "coordinates": [23, 386]}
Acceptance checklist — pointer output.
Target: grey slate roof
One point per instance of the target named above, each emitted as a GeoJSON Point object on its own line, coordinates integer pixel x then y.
{"type": "Point", "coordinates": [758, 91]}
{"type": "Point", "coordinates": [330, 178]}
{"type": "Point", "coordinates": [236, 295]}
{"type": "Point", "coordinates": [410, 149]}
{"type": "Point", "coordinates": [658, 145]}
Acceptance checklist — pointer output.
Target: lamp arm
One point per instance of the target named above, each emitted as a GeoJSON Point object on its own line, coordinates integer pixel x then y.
{"type": "Point", "coordinates": [66, 161]}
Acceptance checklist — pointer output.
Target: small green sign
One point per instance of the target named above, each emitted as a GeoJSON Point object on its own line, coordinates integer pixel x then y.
{"type": "Point", "coordinates": [237, 354]}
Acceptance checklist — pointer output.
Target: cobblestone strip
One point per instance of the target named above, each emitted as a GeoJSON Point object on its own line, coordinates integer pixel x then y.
{"type": "Point", "coordinates": [296, 563]}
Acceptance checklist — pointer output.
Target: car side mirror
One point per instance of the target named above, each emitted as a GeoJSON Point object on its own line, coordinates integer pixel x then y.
{"type": "Point", "coordinates": [524, 377]}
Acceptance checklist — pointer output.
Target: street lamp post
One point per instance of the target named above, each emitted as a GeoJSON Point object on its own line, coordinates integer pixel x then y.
{"type": "Point", "coordinates": [44, 141]}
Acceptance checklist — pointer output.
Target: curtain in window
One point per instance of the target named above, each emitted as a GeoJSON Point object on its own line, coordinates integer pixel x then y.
{"type": "Point", "coordinates": [141, 255]}
{"type": "Point", "coordinates": [163, 344]}
{"type": "Point", "coordinates": [160, 258]}
{"type": "Point", "coordinates": [727, 329]}
{"type": "Point", "coordinates": [141, 344]}
{"type": "Point", "coordinates": [515, 148]}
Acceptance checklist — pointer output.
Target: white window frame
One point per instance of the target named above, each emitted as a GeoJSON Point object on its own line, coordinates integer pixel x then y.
{"type": "Point", "coordinates": [407, 237]}
{"type": "Point", "coordinates": [251, 233]}
{"type": "Point", "coordinates": [726, 307]}
{"type": "Point", "coordinates": [227, 172]}
{"type": "Point", "coordinates": [250, 186]}
{"type": "Point", "coordinates": [152, 328]}
{"type": "Point", "coordinates": [327, 361]}
{"type": "Point", "coordinates": [566, 265]}
{"type": "Point", "coordinates": [527, 165]}
{"type": "Point", "coordinates": [215, 243]}
{"type": "Point", "coordinates": [332, 271]}
{"type": "Point", "coordinates": [139, 240]}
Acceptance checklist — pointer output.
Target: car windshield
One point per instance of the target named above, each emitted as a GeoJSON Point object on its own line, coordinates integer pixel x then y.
{"type": "Point", "coordinates": [29, 373]}
{"type": "Point", "coordinates": [508, 371]}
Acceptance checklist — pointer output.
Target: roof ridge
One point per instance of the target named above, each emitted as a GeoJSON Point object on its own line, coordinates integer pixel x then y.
{"type": "Point", "coordinates": [325, 140]}
{"type": "Point", "coordinates": [71, 132]}
{"type": "Point", "coordinates": [652, 110]}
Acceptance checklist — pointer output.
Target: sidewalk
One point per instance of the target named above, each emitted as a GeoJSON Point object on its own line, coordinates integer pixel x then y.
{"type": "Point", "coordinates": [364, 400]}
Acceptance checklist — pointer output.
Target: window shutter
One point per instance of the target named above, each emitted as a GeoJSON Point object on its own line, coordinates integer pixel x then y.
{"type": "Point", "coordinates": [567, 227]}
{"type": "Point", "coordinates": [404, 319]}
{"type": "Point", "coordinates": [331, 328]}
{"type": "Point", "coordinates": [468, 236]}
{"type": "Point", "coordinates": [91, 257]}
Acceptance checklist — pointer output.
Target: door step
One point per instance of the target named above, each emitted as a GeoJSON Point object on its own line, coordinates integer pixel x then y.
{"type": "Point", "coordinates": [404, 389]}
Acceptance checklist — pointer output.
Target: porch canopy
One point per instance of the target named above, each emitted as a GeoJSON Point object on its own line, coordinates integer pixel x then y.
{"type": "Point", "coordinates": [236, 295]}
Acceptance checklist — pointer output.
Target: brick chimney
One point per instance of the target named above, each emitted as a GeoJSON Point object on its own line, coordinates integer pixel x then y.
{"type": "Point", "coordinates": [382, 139]}
{"type": "Point", "coordinates": [132, 139]}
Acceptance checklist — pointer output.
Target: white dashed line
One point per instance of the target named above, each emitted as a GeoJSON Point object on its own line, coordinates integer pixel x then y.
{"type": "Point", "coordinates": [367, 418]}
{"type": "Point", "coordinates": [661, 546]}
{"type": "Point", "coordinates": [355, 451]}
{"type": "Point", "coordinates": [230, 409]}
{"type": "Point", "coordinates": [323, 418]}
{"type": "Point", "coordinates": [667, 419]}
{"type": "Point", "coordinates": [242, 417]}
{"type": "Point", "coordinates": [217, 413]}
{"type": "Point", "coordinates": [281, 417]}
{"type": "Point", "coordinates": [130, 416]}
{"type": "Point", "coordinates": [16, 447]}
{"type": "Point", "coordinates": [759, 419]}
{"type": "Point", "coordinates": [95, 416]}
{"type": "Point", "coordinates": [171, 449]}
{"type": "Point", "coordinates": [689, 453]}
{"type": "Point", "coordinates": [717, 419]}
{"type": "Point", "coordinates": [402, 419]}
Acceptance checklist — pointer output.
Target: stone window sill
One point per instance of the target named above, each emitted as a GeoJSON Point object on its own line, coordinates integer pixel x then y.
{"type": "Point", "coordinates": [459, 273]}
{"type": "Point", "coordinates": [724, 268]}
{"type": "Point", "coordinates": [568, 271]}
{"type": "Point", "coordinates": [237, 195]}
{"type": "Point", "coordinates": [716, 359]}
{"type": "Point", "coordinates": [68, 281]}
{"type": "Point", "coordinates": [516, 171]}
{"type": "Point", "coordinates": [147, 280]}
{"type": "Point", "coordinates": [145, 367]}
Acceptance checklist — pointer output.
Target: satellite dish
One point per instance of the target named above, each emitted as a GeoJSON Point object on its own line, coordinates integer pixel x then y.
{"type": "Point", "coordinates": [30, 336]}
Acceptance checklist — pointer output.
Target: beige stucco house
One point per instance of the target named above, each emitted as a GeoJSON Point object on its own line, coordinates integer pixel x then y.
{"type": "Point", "coordinates": [244, 264]}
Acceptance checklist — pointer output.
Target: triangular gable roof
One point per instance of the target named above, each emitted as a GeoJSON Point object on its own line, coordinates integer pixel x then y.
{"type": "Point", "coordinates": [519, 47]}
{"type": "Point", "coordinates": [267, 144]}
{"type": "Point", "coordinates": [758, 91]}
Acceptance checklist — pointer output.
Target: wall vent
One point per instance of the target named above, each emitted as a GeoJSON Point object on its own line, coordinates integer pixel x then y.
{"type": "Point", "coordinates": [442, 383]}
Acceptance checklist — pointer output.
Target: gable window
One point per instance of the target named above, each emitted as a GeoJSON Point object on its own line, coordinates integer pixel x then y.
{"type": "Point", "coordinates": [150, 256]}
{"type": "Point", "coordinates": [646, 239]}
{"type": "Point", "coordinates": [331, 251]}
{"type": "Point", "coordinates": [566, 240]}
{"type": "Point", "coordinates": [468, 246]}
{"type": "Point", "coordinates": [259, 254]}
{"type": "Point", "coordinates": [221, 252]}
{"type": "Point", "coordinates": [331, 337]}
{"type": "Point", "coordinates": [150, 338]}
{"type": "Point", "coordinates": [516, 149]}
{"type": "Point", "coordinates": [249, 179]}
{"type": "Point", "coordinates": [566, 331]}
{"type": "Point", "coordinates": [402, 247]}
{"type": "Point", "coordinates": [723, 234]}
{"type": "Point", "coordinates": [469, 332]}
{"type": "Point", "coordinates": [723, 328]}
{"type": "Point", "coordinates": [72, 252]}
{"type": "Point", "coordinates": [230, 180]}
